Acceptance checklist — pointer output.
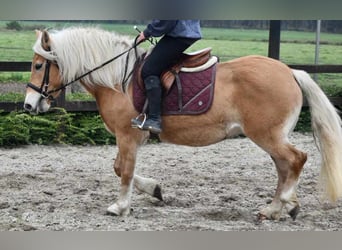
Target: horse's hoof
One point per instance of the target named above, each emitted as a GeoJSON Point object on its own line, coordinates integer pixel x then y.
{"type": "Point", "coordinates": [157, 193]}
{"type": "Point", "coordinates": [261, 218]}
{"type": "Point", "coordinates": [113, 210]}
{"type": "Point", "coordinates": [111, 213]}
{"type": "Point", "coordinates": [294, 212]}
{"type": "Point", "coordinates": [116, 211]}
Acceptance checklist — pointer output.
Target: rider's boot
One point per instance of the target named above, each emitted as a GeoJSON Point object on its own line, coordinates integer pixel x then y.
{"type": "Point", "coordinates": [153, 93]}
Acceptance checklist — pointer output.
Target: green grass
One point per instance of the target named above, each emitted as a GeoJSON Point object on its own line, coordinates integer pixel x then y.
{"type": "Point", "coordinates": [16, 45]}
{"type": "Point", "coordinates": [227, 50]}
{"type": "Point", "coordinates": [8, 77]}
{"type": "Point", "coordinates": [296, 47]}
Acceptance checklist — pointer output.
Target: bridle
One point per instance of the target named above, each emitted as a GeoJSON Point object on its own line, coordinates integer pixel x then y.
{"type": "Point", "coordinates": [44, 87]}
{"type": "Point", "coordinates": [43, 90]}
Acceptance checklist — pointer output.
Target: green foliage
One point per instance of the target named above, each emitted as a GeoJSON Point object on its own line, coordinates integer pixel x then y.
{"type": "Point", "coordinates": [42, 130]}
{"type": "Point", "coordinates": [13, 25]}
{"type": "Point", "coordinates": [304, 121]}
{"type": "Point", "coordinates": [332, 89]}
{"type": "Point", "coordinates": [11, 97]}
{"type": "Point", "coordinates": [14, 130]}
{"type": "Point", "coordinates": [55, 127]}
{"type": "Point", "coordinates": [92, 128]}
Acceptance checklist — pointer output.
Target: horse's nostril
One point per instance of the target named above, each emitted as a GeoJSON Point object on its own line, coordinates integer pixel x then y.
{"type": "Point", "coordinates": [28, 107]}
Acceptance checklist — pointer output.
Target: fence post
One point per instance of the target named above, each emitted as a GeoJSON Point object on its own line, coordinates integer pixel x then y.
{"type": "Point", "coordinates": [318, 38]}
{"type": "Point", "coordinates": [274, 39]}
{"type": "Point", "coordinates": [60, 100]}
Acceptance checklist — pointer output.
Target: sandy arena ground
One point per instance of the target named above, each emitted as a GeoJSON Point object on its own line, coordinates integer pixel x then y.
{"type": "Point", "coordinates": [219, 187]}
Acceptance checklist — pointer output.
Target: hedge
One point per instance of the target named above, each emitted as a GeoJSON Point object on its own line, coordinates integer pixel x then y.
{"type": "Point", "coordinates": [54, 127]}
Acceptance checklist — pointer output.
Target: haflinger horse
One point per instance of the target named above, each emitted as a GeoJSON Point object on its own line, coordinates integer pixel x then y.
{"type": "Point", "coordinates": [255, 96]}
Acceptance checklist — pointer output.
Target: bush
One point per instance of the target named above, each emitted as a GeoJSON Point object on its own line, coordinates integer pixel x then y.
{"type": "Point", "coordinates": [304, 121]}
{"type": "Point", "coordinates": [14, 130]}
{"type": "Point", "coordinates": [13, 25]}
{"type": "Point", "coordinates": [55, 127]}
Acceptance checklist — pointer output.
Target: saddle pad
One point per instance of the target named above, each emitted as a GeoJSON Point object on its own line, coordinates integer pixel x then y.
{"type": "Point", "coordinates": [190, 94]}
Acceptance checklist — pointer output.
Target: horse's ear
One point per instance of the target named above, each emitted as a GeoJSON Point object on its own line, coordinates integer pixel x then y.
{"type": "Point", "coordinates": [38, 32]}
{"type": "Point", "coordinates": [46, 43]}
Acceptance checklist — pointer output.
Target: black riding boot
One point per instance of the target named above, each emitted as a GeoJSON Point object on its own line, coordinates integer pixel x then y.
{"type": "Point", "coordinates": [153, 93]}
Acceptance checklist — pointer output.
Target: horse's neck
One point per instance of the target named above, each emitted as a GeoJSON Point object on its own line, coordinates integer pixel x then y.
{"type": "Point", "coordinates": [113, 105]}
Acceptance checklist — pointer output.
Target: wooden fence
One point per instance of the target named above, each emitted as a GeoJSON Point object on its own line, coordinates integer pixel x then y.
{"type": "Point", "coordinates": [91, 105]}
{"type": "Point", "coordinates": [59, 102]}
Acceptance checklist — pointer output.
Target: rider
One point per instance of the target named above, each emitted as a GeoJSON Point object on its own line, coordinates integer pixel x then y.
{"type": "Point", "coordinates": [177, 36]}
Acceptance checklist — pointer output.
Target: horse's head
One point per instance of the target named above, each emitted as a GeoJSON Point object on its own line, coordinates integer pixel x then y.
{"type": "Point", "coordinates": [45, 76]}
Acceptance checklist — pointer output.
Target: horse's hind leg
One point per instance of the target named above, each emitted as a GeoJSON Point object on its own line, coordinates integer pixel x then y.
{"type": "Point", "coordinates": [148, 186]}
{"type": "Point", "coordinates": [289, 162]}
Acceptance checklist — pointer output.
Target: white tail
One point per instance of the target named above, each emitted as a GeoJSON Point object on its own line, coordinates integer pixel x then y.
{"type": "Point", "coordinates": [326, 125]}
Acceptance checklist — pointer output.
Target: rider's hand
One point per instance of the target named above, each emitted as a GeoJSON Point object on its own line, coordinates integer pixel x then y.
{"type": "Point", "coordinates": [141, 37]}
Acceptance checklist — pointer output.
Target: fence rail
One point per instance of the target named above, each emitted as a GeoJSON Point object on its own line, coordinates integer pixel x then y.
{"type": "Point", "coordinates": [83, 106]}
{"type": "Point", "coordinates": [15, 66]}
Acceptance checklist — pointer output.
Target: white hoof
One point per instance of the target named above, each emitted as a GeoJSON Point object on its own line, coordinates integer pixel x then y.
{"type": "Point", "coordinates": [116, 210]}
{"type": "Point", "coordinates": [270, 213]}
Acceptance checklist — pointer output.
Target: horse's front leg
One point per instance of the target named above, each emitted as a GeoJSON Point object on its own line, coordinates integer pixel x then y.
{"type": "Point", "coordinates": [146, 185]}
{"type": "Point", "coordinates": [124, 168]}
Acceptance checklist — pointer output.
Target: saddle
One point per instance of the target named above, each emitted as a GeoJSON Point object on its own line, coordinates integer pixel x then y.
{"type": "Point", "coordinates": [188, 60]}
{"type": "Point", "coordinates": [187, 86]}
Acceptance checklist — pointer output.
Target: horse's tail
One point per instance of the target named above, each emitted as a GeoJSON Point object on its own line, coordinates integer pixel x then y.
{"type": "Point", "coordinates": [326, 125]}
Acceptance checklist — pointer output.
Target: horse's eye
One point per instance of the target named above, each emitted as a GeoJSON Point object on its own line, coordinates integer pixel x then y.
{"type": "Point", "coordinates": [38, 66]}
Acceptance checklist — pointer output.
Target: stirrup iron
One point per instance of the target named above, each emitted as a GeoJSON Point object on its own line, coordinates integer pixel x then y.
{"type": "Point", "coordinates": [137, 123]}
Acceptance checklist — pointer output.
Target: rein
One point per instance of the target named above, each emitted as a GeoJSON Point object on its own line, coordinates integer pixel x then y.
{"type": "Point", "coordinates": [46, 94]}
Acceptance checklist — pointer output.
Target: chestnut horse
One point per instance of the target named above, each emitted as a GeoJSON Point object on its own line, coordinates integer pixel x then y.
{"type": "Point", "coordinates": [256, 96]}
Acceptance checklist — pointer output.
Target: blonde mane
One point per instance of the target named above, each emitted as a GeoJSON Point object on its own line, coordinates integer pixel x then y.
{"type": "Point", "coordinates": [78, 50]}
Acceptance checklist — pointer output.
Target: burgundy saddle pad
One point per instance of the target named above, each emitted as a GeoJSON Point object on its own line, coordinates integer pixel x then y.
{"type": "Point", "coordinates": [190, 94]}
